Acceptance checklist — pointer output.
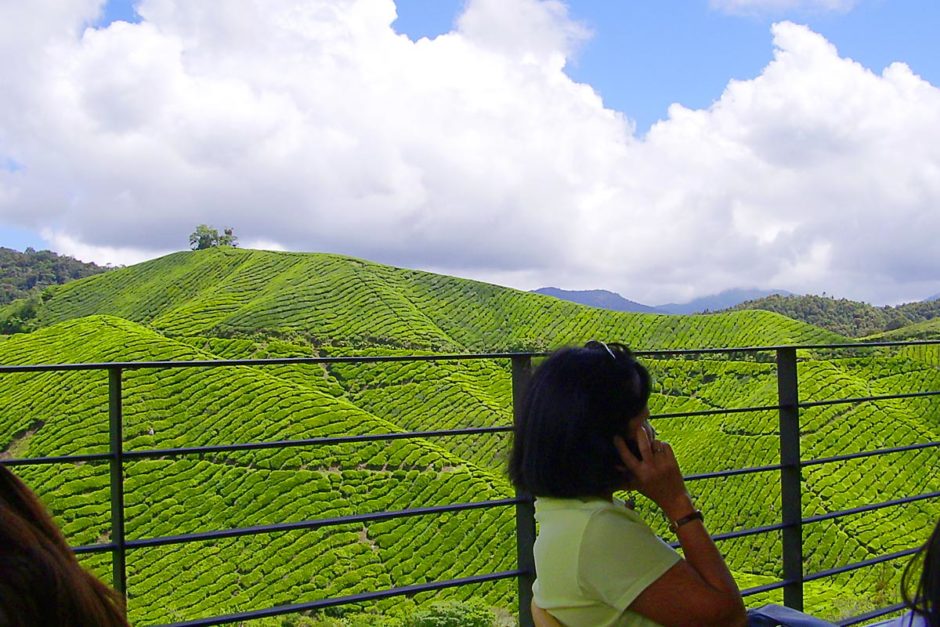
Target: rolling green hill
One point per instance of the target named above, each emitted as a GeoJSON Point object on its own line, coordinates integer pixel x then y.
{"type": "Point", "coordinates": [229, 303]}
{"type": "Point", "coordinates": [334, 300]}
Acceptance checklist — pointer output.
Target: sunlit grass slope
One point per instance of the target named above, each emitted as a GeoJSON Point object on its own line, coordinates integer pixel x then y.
{"type": "Point", "coordinates": [61, 413]}
{"type": "Point", "coordinates": [330, 299]}
{"type": "Point", "coordinates": [235, 304]}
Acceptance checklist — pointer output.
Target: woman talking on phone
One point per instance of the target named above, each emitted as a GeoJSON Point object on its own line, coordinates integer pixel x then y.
{"type": "Point", "coordinates": [583, 434]}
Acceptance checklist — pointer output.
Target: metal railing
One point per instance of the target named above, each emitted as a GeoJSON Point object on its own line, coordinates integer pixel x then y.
{"type": "Point", "coordinates": [788, 407]}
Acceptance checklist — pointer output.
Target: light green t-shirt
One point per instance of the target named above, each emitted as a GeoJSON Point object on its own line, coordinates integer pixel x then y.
{"type": "Point", "coordinates": [592, 559]}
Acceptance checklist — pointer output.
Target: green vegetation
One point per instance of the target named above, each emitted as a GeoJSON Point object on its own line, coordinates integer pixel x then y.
{"type": "Point", "coordinates": [329, 300]}
{"type": "Point", "coordinates": [206, 237]}
{"type": "Point", "coordinates": [846, 317]}
{"type": "Point", "coordinates": [27, 273]}
{"type": "Point", "coordinates": [230, 303]}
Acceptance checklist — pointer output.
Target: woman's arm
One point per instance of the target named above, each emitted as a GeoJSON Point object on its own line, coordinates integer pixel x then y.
{"type": "Point", "coordinates": [698, 590]}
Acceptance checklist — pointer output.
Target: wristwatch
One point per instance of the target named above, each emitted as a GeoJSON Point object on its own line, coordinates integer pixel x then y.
{"type": "Point", "coordinates": [695, 515]}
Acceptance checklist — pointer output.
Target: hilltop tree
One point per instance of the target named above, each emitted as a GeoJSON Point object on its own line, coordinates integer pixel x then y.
{"type": "Point", "coordinates": [228, 238]}
{"type": "Point", "coordinates": [207, 237]}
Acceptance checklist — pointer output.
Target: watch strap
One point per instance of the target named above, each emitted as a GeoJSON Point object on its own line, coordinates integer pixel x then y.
{"type": "Point", "coordinates": [695, 515]}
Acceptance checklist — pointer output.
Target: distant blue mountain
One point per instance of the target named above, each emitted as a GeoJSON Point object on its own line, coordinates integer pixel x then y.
{"type": "Point", "coordinates": [717, 302]}
{"type": "Point", "coordinates": [932, 298]}
{"type": "Point", "coordinates": [605, 299]}
{"type": "Point", "coordinates": [597, 298]}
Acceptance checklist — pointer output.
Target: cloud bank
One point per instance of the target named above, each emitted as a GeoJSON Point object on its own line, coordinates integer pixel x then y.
{"type": "Point", "coordinates": [315, 126]}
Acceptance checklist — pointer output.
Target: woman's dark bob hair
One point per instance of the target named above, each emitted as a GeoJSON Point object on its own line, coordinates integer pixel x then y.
{"type": "Point", "coordinates": [576, 402]}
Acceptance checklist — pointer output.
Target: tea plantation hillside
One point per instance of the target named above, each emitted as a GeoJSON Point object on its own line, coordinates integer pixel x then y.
{"type": "Point", "coordinates": [229, 303]}
{"type": "Point", "coordinates": [329, 299]}
{"type": "Point", "coordinates": [65, 413]}
{"type": "Point", "coordinates": [928, 330]}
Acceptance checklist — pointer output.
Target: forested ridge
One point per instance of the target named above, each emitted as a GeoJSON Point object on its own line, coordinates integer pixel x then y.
{"type": "Point", "coordinates": [230, 303]}
{"type": "Point", "coordinates": [846, 317]}
{"type": "Point", "coordinates": [24, 273]}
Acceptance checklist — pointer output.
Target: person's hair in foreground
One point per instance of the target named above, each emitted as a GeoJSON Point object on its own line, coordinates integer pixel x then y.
{"type": "Point", "coordinates": [925, 599]}
{"type": "Point", "coordinates": [577, 401]}
{"type": "Point", "coordinates": [41, 582]}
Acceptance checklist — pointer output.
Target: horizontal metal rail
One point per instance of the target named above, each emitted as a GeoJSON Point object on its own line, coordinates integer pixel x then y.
{"type": "Point", "coordinates": [766, 587]}
{"type": "Point", "coordinates": [270, 361]}
{"type": "Point", "coordinates": [213, 363]}
{"type": "Point", "coordinates": [346, 439]}
{"type": "Point", "coordinates": [316, 523]}
{"type": "Point", "coordinates": [865, 399]}
{"type": "Point", "coordinates": [733, 472]}
{"type": "Point", "coordinates": [716, 412]}
{"type": "Point", "coordinates": [871, 507]}
{"type": "Point", "coordinates": [856, 565]}
{"type": "Point", "coordinates": [861, 618]}
{"type": "Point", "coordinates": [55, 459]}
{"type": "Point", "coordinates": [883, 451]}
{"type": "Point", "coordinates": [253, 446]}
{"type": "Point", "coordinates": [94, 548]}
{"type": "Point", "coordinates": [353, 598]}
{"type": "Point", "coordinates": [741, 533]}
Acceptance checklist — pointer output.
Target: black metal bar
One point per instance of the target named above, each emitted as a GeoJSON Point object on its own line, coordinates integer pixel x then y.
{"type": "Point", "coordinates": [767, 587]}
{"type": "Point", "coordinates": [273, 361]}
{"type": "Point", "coordinates": [733, 472]}
{"type": "Point", "coordinates": [106, 547]}
{"type": "Point", "coordinates": [716, 412]}
{"type": "Point", "coordinates": [776, 347]}
{"type": "Point", "coordinates": [871, 507]}
{"type": "Point", "coordinates": [347, 439]}
{"type": "Point", "coordinates": [865, 399]}
{"type": "Point", "coordinates": [128, 365]}
{"type": "Point", "coordinates": [740, 533]}
{"type": "Point", "coordinates": [883, 451]}
{"type": "Point", "coordinates": [867, 616]}
{"type": "Point", "coordinates": [59, 459]}
{"type": "Point", "coordinates": [116, 445]}
{"type": "Point", "coordinates": [855, 566]}
{"type": "Point", "coordinates": [314, 524]}
{"type": "Point", "coordinates": [790, 488]}
{"type": "Point", "coordinates": [354, 598]}
{"type": "Point", "coordinates": [525, 506]}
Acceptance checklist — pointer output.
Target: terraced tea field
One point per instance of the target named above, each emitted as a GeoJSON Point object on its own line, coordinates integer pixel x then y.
{"type": "Point", "coordinates": [332, 300]}
{"type": "Point", "coordinates": [233, 304]}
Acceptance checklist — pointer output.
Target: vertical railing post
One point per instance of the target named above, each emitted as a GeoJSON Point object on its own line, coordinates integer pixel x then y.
{"type": "Point", "coordinates": [525, 510]}
{"type": "Point", "coordinates": [790, 488]}
{"type": "Point", "coordinates": [116, 449]}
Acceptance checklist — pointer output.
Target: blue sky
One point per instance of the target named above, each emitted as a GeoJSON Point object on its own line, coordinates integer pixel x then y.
{"type": "Point", "coordinates": [786, 165]}
{"type": "Point", "coordinates": [644, 55]}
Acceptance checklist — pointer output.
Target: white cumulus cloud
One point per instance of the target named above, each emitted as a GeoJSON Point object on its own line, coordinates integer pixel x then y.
{"type": "Point", "coordinates": [313, 125]}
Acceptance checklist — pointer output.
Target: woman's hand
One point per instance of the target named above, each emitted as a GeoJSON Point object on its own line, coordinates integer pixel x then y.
{"type": "Point", "coordinates": [656, 475]}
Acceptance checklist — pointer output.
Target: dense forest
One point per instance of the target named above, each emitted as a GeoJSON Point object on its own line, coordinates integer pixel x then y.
{"type": "Point", "coordinates": [25, 273]}
{"type": "Point", "coordinates": [846, 317]}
